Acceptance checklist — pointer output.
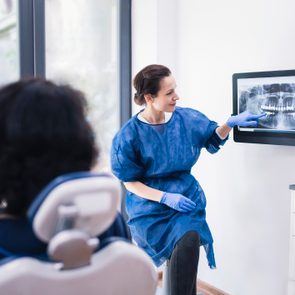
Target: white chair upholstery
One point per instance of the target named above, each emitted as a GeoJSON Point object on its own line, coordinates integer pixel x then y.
{"type": "Point", "coordinates": [71, 213]}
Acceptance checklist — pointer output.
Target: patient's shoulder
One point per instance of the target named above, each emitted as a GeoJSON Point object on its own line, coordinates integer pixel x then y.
{"type": "Point", "coordinates": [17, 236]}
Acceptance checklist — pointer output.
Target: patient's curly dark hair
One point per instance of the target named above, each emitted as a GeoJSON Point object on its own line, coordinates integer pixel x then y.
{"type": "Point", "coordinates": [43, 134]}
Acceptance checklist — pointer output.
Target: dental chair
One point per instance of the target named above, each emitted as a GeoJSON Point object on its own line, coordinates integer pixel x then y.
{"type": "Point", "coordinates": [69, 214]}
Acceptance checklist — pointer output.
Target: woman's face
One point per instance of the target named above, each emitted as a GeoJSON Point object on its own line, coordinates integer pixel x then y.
{"type": "Point", "coordinates": [165, 99]}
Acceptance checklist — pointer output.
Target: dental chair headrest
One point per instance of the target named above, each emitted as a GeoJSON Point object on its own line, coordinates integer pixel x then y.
{"type": "Point", "coordinates": [84, 201]}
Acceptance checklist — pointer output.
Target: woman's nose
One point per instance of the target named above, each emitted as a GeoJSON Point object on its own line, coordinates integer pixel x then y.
{"type": "Point", "coordinates": [176, 97]}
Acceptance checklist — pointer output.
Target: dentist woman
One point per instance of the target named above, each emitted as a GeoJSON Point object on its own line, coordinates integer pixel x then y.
{"type": "Point", "coordinates": [152, 155]}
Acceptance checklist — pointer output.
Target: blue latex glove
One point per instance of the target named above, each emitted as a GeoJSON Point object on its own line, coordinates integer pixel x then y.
{"type": "Point", "coordinates": [178, 202]}
{"type": "Point", "coordinates": [244, 119]}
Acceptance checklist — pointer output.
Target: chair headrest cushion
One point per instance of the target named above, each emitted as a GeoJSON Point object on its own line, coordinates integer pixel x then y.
{"type": "Point", "coordinates": [93, 197]}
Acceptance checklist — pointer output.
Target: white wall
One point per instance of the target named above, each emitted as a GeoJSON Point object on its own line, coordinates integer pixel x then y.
{"type": "Point", "coordinates": [246, 184]}
{"type": "Point", "coordinates": [154, 34]}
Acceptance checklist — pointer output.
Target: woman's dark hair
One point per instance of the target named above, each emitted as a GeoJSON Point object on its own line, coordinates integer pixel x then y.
{"type": "Point", "coordinates": [147, 81]}
{"type": "Point", "coordinates": [43, 134]}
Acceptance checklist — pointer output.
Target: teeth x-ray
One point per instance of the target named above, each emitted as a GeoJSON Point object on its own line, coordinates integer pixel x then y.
{"type": "Point", "coordinates": [273, 96]}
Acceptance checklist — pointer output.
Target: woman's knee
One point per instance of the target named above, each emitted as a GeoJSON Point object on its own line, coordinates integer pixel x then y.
{"type": "Point", "coordinates": [190, 239]}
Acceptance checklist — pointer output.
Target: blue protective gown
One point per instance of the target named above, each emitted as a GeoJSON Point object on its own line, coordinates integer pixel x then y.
{"type": "Point", "coordinates": [161, 156]}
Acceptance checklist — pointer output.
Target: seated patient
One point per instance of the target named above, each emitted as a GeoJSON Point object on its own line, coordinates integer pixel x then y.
{"type": "Point", "coordinates": [43, 134]}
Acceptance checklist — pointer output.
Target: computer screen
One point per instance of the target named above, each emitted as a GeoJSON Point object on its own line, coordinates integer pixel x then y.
{"type": "Point", "coordinates": [272, 93]}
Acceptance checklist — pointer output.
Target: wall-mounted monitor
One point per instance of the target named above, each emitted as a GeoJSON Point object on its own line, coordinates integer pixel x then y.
{"type": "Point", "coordinates": [272, 93]}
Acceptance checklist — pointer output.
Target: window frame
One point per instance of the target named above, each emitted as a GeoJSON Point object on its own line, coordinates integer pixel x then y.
{"type": "Point", "coordinates": [32, 47]}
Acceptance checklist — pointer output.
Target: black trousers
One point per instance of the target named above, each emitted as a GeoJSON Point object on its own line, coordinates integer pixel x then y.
{"type": "Point", "coordinates": [183, 265]}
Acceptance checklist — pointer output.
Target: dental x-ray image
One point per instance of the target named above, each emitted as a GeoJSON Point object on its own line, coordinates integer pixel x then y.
{"type": "Point", "coordinates": [274, 97]}
{"type": "Point", "coordinates": [270, 93]}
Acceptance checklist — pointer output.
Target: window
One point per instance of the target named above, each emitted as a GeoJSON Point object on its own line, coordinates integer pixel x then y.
{"type": "Point", "coordinates": [82, 48]}
{"type": "Point", "coordinates": [84, 43]}
{"type": "Point", "coordinates": [9, 43]}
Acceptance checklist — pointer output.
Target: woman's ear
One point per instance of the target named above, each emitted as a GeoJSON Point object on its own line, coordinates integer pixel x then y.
{"type": "Point", "coordinates": [148, 98]}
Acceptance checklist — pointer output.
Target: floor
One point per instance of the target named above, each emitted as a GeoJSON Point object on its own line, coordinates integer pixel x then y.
{"type": "Point", "coordinates": [202, 287]}
{"type": "Point", "coordinates": [160, 292]}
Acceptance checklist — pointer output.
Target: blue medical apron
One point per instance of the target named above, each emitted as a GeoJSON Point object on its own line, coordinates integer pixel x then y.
{"type": "Point", "coordinates": [161, 156]}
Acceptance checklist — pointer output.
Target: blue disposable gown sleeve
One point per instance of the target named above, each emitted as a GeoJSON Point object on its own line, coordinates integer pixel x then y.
{"type": "Point", "coordinates": [214, 142]}
{"type": "Point", "coordinates": [125, 161]}
{"type": "Point", "coordinates": [206, 128]}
